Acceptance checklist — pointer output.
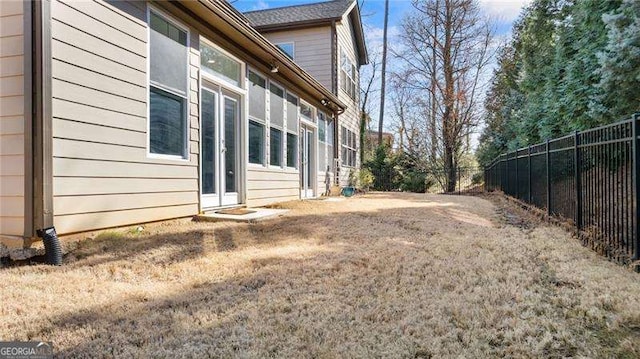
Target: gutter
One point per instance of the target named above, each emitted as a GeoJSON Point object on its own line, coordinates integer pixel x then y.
{"type": "Point", "coordinates": [296, 24]}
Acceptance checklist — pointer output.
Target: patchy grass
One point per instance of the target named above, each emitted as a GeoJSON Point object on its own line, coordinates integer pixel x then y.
{"type": "Point", "coordinates": [381, 275]}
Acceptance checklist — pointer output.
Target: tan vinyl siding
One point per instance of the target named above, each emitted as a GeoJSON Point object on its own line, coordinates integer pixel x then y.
{"type": "Point", "coordinates": [351, 117]}
{"type": "Point", "coordinates": [312, 50]}
{"type": "Point", "coordinates": [103, 176]}
{"type": "Point", "coordinates": [265, 186]}
{"type": "Point", "coordinates": [12, 187]}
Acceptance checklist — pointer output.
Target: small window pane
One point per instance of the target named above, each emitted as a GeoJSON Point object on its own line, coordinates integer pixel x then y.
{"type": "Point", "coordinates": [167, 29]}
{"type": "Point", "coordinates": [287, 48]}
{"type": "Point", "coordinates": [218, 64]}
{"type": "Point", "coordinates": [276, 147]}
{"type": "Point", "coordinates": [322, 129]}
{"type": "Point", "coordinates": [306, 111]}
{"type": "Point", "coordinates": [292, 147]}
{"type": "Point", "coordinates": [330, 157]}
{"type": "Point", "coordinates": [276, 106]}
{"type": "Point", "coordinates": [292, 113]}
{"type": "Point", "coordinates": [256, 142]}
{"type": "Point", "coordinates": [329, 132]}
{"type": "Point", "coordinates": [257, 87]}
{"type": "Point", "coordinates": [167, 124]}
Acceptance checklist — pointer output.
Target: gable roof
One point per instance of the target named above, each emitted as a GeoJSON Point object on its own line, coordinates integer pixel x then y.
{"type": "Point", "coordinates": [309, 15]}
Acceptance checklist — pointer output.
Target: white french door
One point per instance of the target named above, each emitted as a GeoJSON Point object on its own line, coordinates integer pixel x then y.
{"type": "Point", "coordinates": [307, 163]}
{"type": "Point", "coordinates": [220, 146]}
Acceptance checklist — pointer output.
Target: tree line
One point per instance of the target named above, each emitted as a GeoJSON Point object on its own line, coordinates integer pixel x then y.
{"type": "Point", "coordinates": [569, 65]}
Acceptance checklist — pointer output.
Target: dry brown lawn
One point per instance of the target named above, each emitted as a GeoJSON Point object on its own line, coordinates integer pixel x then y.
{"type": "Point", "coordinates": [380, 275]}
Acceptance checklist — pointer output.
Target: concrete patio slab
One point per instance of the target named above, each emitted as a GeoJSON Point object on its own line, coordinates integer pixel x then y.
{"type": "Point", "coordinates": [255, 215]}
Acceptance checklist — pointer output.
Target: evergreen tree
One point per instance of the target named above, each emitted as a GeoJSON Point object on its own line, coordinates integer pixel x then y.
{"type": "Point", "coordinates": [619, 65]}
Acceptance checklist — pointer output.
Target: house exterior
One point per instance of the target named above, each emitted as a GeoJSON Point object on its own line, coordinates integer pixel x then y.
{"type": "Point", "coordinates": [372, 139]}
{"type": "Point", "coordinates": [327, 40]}
{"type": "Point", "coordinates": [114, 113]}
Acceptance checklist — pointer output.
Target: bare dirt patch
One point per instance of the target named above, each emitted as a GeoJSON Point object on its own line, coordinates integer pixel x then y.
{"type": "Point", "coordinates": [379, 275]}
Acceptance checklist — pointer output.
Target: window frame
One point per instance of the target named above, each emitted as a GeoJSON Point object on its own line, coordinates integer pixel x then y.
{"type": "Point", "coordinates": [276, 127]}
{"type": "Point", "coordinates": [292, 56]}
{"type": "Point", "coordinates": [219, 80]}
{"type": "Point", "coordinates": [263, 122]}
{"type": "Point", "coordinates": [185, 97]}
{"type": "Point", "coordinates": [346, 136]}
{"type": "Point", "coordinates": [349, 88]}
{"type": "Point", "coordinates": [314, 112]}
{"type": "Point", "coordinates": [295, 132]}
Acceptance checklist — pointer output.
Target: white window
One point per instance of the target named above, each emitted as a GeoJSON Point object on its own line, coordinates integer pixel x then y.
{"type": "Point", "coordinates": [325, 142]}
{"type": "Point", "coordinates": [348, 144]}
{"type": "Point", "coordinates": [288, 49]}
{"type": "Point", "coordinates": [257, 118]}
{"type": "Point", "coordinates": [218, 64]}
{"type": "Point", "coordinates": [168, 82]}
{"type": "Point", "coordinates": [292, 131]}
{"type": "Point", "coordinates": [276, 118]}
{"type": "Point", "coordinates": [348, 74]}
{"type": "Point", "coordinates": [307, 112]}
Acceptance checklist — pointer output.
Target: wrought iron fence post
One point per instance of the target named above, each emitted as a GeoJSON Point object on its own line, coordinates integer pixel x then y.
{"type": "Point", "coordinates": [578, 181]}
{"type": "Point", "coordinates": [548, 181]}
{"type": "Point", "coordinates": [636, 184]}
{"type": "Point", "coordinates": [517, 175]}
{"type": "Point", "coordinates": [529, 179]}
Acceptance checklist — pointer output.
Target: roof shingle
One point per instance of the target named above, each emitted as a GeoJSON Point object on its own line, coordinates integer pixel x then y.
{"type": "Point", "coordinates": [298, 13]}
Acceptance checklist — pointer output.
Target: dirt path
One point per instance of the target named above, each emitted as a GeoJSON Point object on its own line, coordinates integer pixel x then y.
{"type": "Point", "coordinates": [381, 275]}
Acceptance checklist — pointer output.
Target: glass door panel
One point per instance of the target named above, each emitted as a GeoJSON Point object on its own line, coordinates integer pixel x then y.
{"type": "Point", "coordinates": [230, 148]}
{"type": "Point", "coordinates": [209, 140]}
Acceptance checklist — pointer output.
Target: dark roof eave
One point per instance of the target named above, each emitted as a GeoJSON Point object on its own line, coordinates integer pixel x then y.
{"type": "Point", "coordinates": [296, 24]}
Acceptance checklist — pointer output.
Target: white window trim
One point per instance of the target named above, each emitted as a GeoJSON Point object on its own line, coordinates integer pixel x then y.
{"type": "Point", "coordinates": [354, 149]}
{"type": "Point", "coordinates": [352, 80]}
{"type": "Point", "coordinates": [171, 19]}
{"type": "Point", "coordinates": [283, 149]}
{"type": "Point", "coordinates": [293, 47]}
{"type": "Point", "coordinates": [218, 80]}
{"type": "Point", "coordinates": [263, 122]}
{"type": "Point", "coordinates": [304, 118]}
{"type": "Point", "coordinates": [295, 132]}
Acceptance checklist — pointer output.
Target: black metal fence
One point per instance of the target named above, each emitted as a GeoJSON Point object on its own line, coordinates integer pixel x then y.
{"type": "Point", "coordinates": [589, 178]}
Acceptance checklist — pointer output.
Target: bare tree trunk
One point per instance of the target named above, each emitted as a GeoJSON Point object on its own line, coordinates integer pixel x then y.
{"type": "Point", "coordinates": [449, 99]}
{"type": "Point", "coordinates": [384, 69]}
{"type": "Point", "coordinates": [433, 130]}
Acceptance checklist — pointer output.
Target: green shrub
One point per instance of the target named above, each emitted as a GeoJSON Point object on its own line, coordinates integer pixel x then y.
{"type": "Point", "coordinates": [365, 179]}
{"type": "Point", "coordinates": [414, 182]}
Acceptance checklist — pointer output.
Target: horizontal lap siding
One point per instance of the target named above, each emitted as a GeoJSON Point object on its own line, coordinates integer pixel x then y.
{"type": "Point", "coordinates": [351, 116]}
{"type": "Point", "coordinates": [312, 50]}
{"type": "Point", "coordinates": [265, 186]}
{"type": "Point", "coordinates": [12, 118]}
{"type": "Point", "coordinates": [103, 176]}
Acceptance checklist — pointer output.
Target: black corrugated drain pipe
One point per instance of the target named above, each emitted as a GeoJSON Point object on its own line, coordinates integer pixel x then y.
{"type": "Point", "coordinates": [52, 249]}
